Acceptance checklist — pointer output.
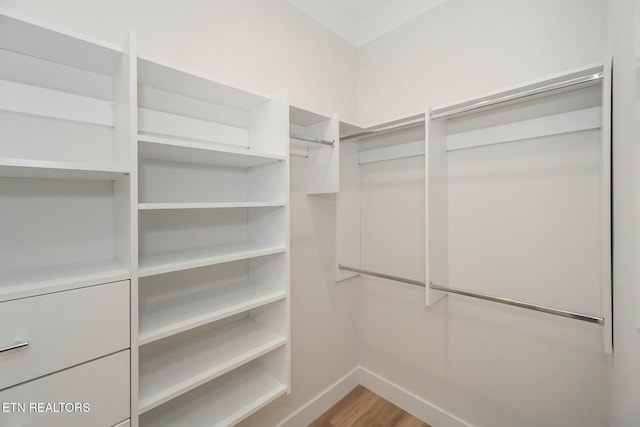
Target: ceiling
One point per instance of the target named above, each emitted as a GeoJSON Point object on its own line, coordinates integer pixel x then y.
{"type": "Point", "coordinates": [361, 21]}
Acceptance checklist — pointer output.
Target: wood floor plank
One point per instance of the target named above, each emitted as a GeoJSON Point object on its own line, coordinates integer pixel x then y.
{"type": "Point", "coordinates": [363, 408]}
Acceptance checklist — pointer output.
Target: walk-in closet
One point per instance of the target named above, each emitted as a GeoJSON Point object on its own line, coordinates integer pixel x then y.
{"type": "Point", "coordinates": [292, 213]}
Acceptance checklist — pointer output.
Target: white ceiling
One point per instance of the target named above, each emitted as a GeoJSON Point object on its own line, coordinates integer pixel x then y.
{"type": "Point", "coordinates": [361, 21]}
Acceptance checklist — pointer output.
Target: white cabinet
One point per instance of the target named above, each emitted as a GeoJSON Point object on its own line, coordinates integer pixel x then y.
{"type": "Point", "coordinates": [92, 394]}
{"type": "Point", "coordinates": [213, 246]}
{"type": "Point", "coordinates": [66, 126]}
{"type": "Point", "coordinates": [62, 329]}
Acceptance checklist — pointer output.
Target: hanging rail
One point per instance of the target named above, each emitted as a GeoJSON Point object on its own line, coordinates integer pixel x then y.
{"type": "Point", "coordinates": [507, 301]}
{"type": "Point", "coordinates": [312, 140]}
{"type": "Point", "coordinates": [582, 78]}
{"type": "Point", "coordinates": [382, 276]}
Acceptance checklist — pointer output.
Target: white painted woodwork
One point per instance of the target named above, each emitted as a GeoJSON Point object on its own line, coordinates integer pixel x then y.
{"type": "Point", "coordinates": [184, 150]}
{"type": "Point", "coordinates": [606, 262]}
{"type": "Point", "coordinates": [323, 164]}
{"type": "Point", "coordinates": [556, 124]}
{"type": "Point", "coordinates": [61, 228]}
{"type": "Point", "coordinates": [102, 383]}
{"type": "Point", "coordinates": [437, 209]}
{"type": "Point", "coordinates": [155, 74]}
{"type": "Point", "coordinates": [26, 168]}
{"type": "Point", "coordinates": [391, 152]}
{"type": "Point", "coordinates": [172, 367]}
{"type": "Point", "coordinates": [63, 329]}
{"type": "Point", "coordinates": [22, 98]}
{"type": "Point", "coordinates": [348, 212]}
{"type": "Point", "coordinates": [223, 402]}
{"type": "Point", "coordinates": [157, 122]}
{"type": "Point", "coordinates": [126, 423]}
{"type": "Point", "coordinates": [212, 215]}
{"type": "Point", "coordinates": [207, 295]}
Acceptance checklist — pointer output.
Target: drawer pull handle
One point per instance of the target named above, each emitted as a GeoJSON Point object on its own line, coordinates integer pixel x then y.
{"type": "Point", "coordinates": [15, 346]}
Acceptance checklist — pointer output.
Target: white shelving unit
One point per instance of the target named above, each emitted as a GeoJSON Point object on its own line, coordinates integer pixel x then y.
{"type": "Point", "coordinates": [65, 205]}
{"type": "Point", "coordinates": [64, 163]}
{"type": "Point", "coordinates": [213, 245]}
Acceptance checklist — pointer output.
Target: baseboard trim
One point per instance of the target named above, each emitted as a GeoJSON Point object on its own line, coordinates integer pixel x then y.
{"type": "Point", "coordinates": [415, 405]}
{"type": "Point", "coordinates": [323, 401]}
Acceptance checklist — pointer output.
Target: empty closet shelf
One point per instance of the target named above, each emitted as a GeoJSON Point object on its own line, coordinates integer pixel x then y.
{"type": "Point", "coordinates": [43, 280]}
{"type": "Point", "coordinates": [192, 151]}
{"type": "Point", "coordinates": [207, 205]}
{"type": "Point", "coordinates": [172, 315]}
{"type": "Point", "coordinates": [223, 402]}
{"type": "Point", "coordinates": [171, 368]}
{"type": "Point", "coordinates": [166, 262]}
{"type": "Point", "coordinates": [27, 168]}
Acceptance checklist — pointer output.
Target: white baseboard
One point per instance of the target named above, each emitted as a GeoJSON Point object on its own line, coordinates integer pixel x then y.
{"type": "Point", "coordinates": [415, 405]}
{"type": "Point", "coordinates": [325, 400]}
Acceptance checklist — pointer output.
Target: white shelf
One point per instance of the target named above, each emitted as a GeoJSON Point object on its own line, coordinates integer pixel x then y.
{"type": "Point", "coordinates": [192, 151]}
{"type": "Point", "coordinates": [178, 314]}
{"type": "Point", "coordinates": [37, 281]}
{"type": "Point", "coordinates": [26, 168]}
{"type": "Point", "coordinates": [194, 361]}
{"type": "Point", "coordinates": [222, 403]}
{"type": "Point", "coordinates": [166, 262]}
{"type": "Point", "coordinates": [217, 205]}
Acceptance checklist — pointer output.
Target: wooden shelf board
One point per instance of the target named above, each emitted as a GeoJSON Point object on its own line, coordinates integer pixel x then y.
{"type": "Point", "coordinates": [224, 402]}
{"type": "Point", "coordinates": [153, 73]}
{"type": "Point", "coordinates": [174, 315]}
{"type": "Point", "coordinates": [192, 151]}
{"type": "Point", "coordinates": [25, 283]}
{"type": "Point", "coordinates": [196, 360]}
{"type": "Point", "coordinates": [208, 205]}
{"type": "Point", "coordinates": [166, 262]}
{"type": "Point", "coordinates": [26, 168]}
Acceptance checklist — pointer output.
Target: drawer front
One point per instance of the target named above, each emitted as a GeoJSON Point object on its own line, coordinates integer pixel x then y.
{"type": "Point", "coordinates": [126, 423]}
{"type": "Point", "coordinates": [94, 394]}
{"type": "Point", "coordinates": [63, 330]}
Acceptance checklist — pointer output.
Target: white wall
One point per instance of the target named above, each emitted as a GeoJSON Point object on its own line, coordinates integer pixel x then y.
{"type": "Point", "coordinates": [262, 46]}
{"type": "Point", "coordinates": [490, 365]}
{"type": "Point", "coordinates": [465, 48]}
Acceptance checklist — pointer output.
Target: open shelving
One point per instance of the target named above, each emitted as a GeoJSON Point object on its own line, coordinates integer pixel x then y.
{"type": "Point", "coordinates": [222, 402]}
{"type": "Point", "coordinates": [64, 161]}
{"type": "Point", "coordinates": [207, 295]}
{"type": "Point", "coordinates": [213, 240]}
{"type": "Point", "coordinates": [174, 366]}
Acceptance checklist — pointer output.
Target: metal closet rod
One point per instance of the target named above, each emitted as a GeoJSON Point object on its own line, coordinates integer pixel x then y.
{"type": "Point", "coordinates": [591, 76]}
{"type": "Point", "coordinates": [382, 276]}
{"type": "Point", "coordinates": [313, 140]}
{"type": "Point", "coordinates": [506, 301]}
{"type": "Point", "coordinates": [534, 307]}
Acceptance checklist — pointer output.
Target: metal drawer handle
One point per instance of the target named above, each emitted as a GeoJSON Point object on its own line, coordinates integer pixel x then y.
{"type": "Point", "coordinates": [16, 345]}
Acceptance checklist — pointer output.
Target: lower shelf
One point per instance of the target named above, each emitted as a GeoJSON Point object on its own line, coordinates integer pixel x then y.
{"type": "Point", "coordinates": [44, 280]}
{"type": "Point", "coordinates": [172, 367]}
{"type": "Point", "coordinates": [220, 403]}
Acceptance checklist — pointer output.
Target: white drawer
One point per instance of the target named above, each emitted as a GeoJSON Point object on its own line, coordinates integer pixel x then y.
{"type": "Point", "coordinates": [63, 330]}
{"type": "Point", "coordinates": [99, 389]}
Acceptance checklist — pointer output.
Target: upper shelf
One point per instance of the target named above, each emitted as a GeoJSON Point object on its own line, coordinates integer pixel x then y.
{"type": "Point", "coordinates": [21, 36]}
{"type": "Point", "coordinates": [160, 76]}
{"type": "Point", "coordinates": [192, 151]}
